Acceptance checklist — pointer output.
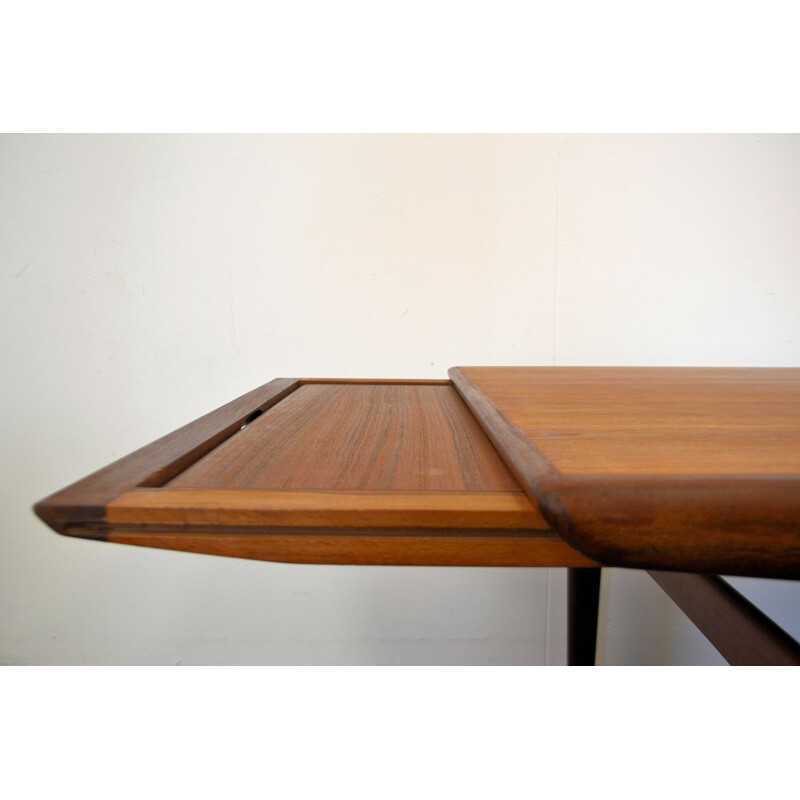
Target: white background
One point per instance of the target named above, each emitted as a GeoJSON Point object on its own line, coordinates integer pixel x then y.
{"type": "Point", "coordinates": [148, 279]}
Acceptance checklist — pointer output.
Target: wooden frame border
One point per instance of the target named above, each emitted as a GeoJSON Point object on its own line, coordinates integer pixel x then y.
{"type": "Point", "coordinates": [84, 502]}
{"type": "Point", "coordinates": [511, 511]}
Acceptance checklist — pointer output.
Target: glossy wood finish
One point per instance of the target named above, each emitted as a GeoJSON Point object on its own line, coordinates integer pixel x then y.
{"type": "Point", "coordinates": [379, 437]}
{"type": "Point", "coordinates": [742, 634]}
{"type": "Point", "coordinates": [683, 469]}
{"type": "Point", "coordinates": [322, 471]}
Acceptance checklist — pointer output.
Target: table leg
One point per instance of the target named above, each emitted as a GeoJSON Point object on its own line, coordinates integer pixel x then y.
{"type": "Point", "coordinates": [742, 633]}
{"type": "Point", "coordinates": [583, 598]}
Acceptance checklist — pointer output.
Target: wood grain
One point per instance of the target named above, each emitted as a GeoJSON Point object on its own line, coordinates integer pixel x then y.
{"type": "Point", "coordinates": [716, 490]}
{"type": "Point", "coordinates": [410, 547]}
{"type": "Point", "coordinates": [325, 509]}
{"type": "Point", "coordinates": [381, 437]}
{"type": "Point", "coordinates": [648, 421]}
{"type": "Point", "coordinates": [734, 525]}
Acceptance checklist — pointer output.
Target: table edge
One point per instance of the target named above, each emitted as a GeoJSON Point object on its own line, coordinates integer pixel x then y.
{"type": "Point", "coordinates": [750, 524]}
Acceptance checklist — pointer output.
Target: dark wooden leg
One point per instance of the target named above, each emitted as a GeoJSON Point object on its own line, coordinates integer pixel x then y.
{"type": "Point", "coordinates": [743, 634]}
{"type": "Point", "coordinates": [583, 598]}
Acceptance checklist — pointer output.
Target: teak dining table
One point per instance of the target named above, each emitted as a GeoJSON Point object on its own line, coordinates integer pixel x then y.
{"type": "Point", "coordinates": [683, 472]}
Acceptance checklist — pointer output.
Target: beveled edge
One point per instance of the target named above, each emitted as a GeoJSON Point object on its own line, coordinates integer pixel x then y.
{"type": "Point", "coordinates": [647, 521]}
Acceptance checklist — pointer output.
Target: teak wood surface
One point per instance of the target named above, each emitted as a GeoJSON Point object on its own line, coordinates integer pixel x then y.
{"type": "Point", "coordinates": [696, 470]}
{"type": "Point", "coordinates": [321, 471]}
{"type": "Point", "coordinates": [688, 469]}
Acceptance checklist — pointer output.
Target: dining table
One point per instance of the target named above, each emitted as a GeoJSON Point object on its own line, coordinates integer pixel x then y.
{"type": "Point", "coordinates": [687, 473]}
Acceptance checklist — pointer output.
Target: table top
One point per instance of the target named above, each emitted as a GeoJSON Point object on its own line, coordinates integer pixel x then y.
{"type": "Point", "coordinates": [690, 469]}
{"type": "Point", "coordinates": [321, 471]}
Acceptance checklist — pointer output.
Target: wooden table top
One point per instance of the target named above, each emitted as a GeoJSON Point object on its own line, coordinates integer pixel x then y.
{"type": "Point", "coordinates": [689, 469]}
{"type": "Point", "coordinates": [660, 468]}
{"type": "Point", "coordinates": [321, 471]}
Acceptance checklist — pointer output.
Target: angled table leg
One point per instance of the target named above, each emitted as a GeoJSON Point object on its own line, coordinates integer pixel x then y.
{"type": "Point", "coordinates": [583, 598]}
{"type": "Point", "coordinates": [743, 634]}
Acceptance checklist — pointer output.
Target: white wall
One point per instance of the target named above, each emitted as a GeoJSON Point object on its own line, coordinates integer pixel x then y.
{"type": "Point", "coordinates": [148, 279]}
